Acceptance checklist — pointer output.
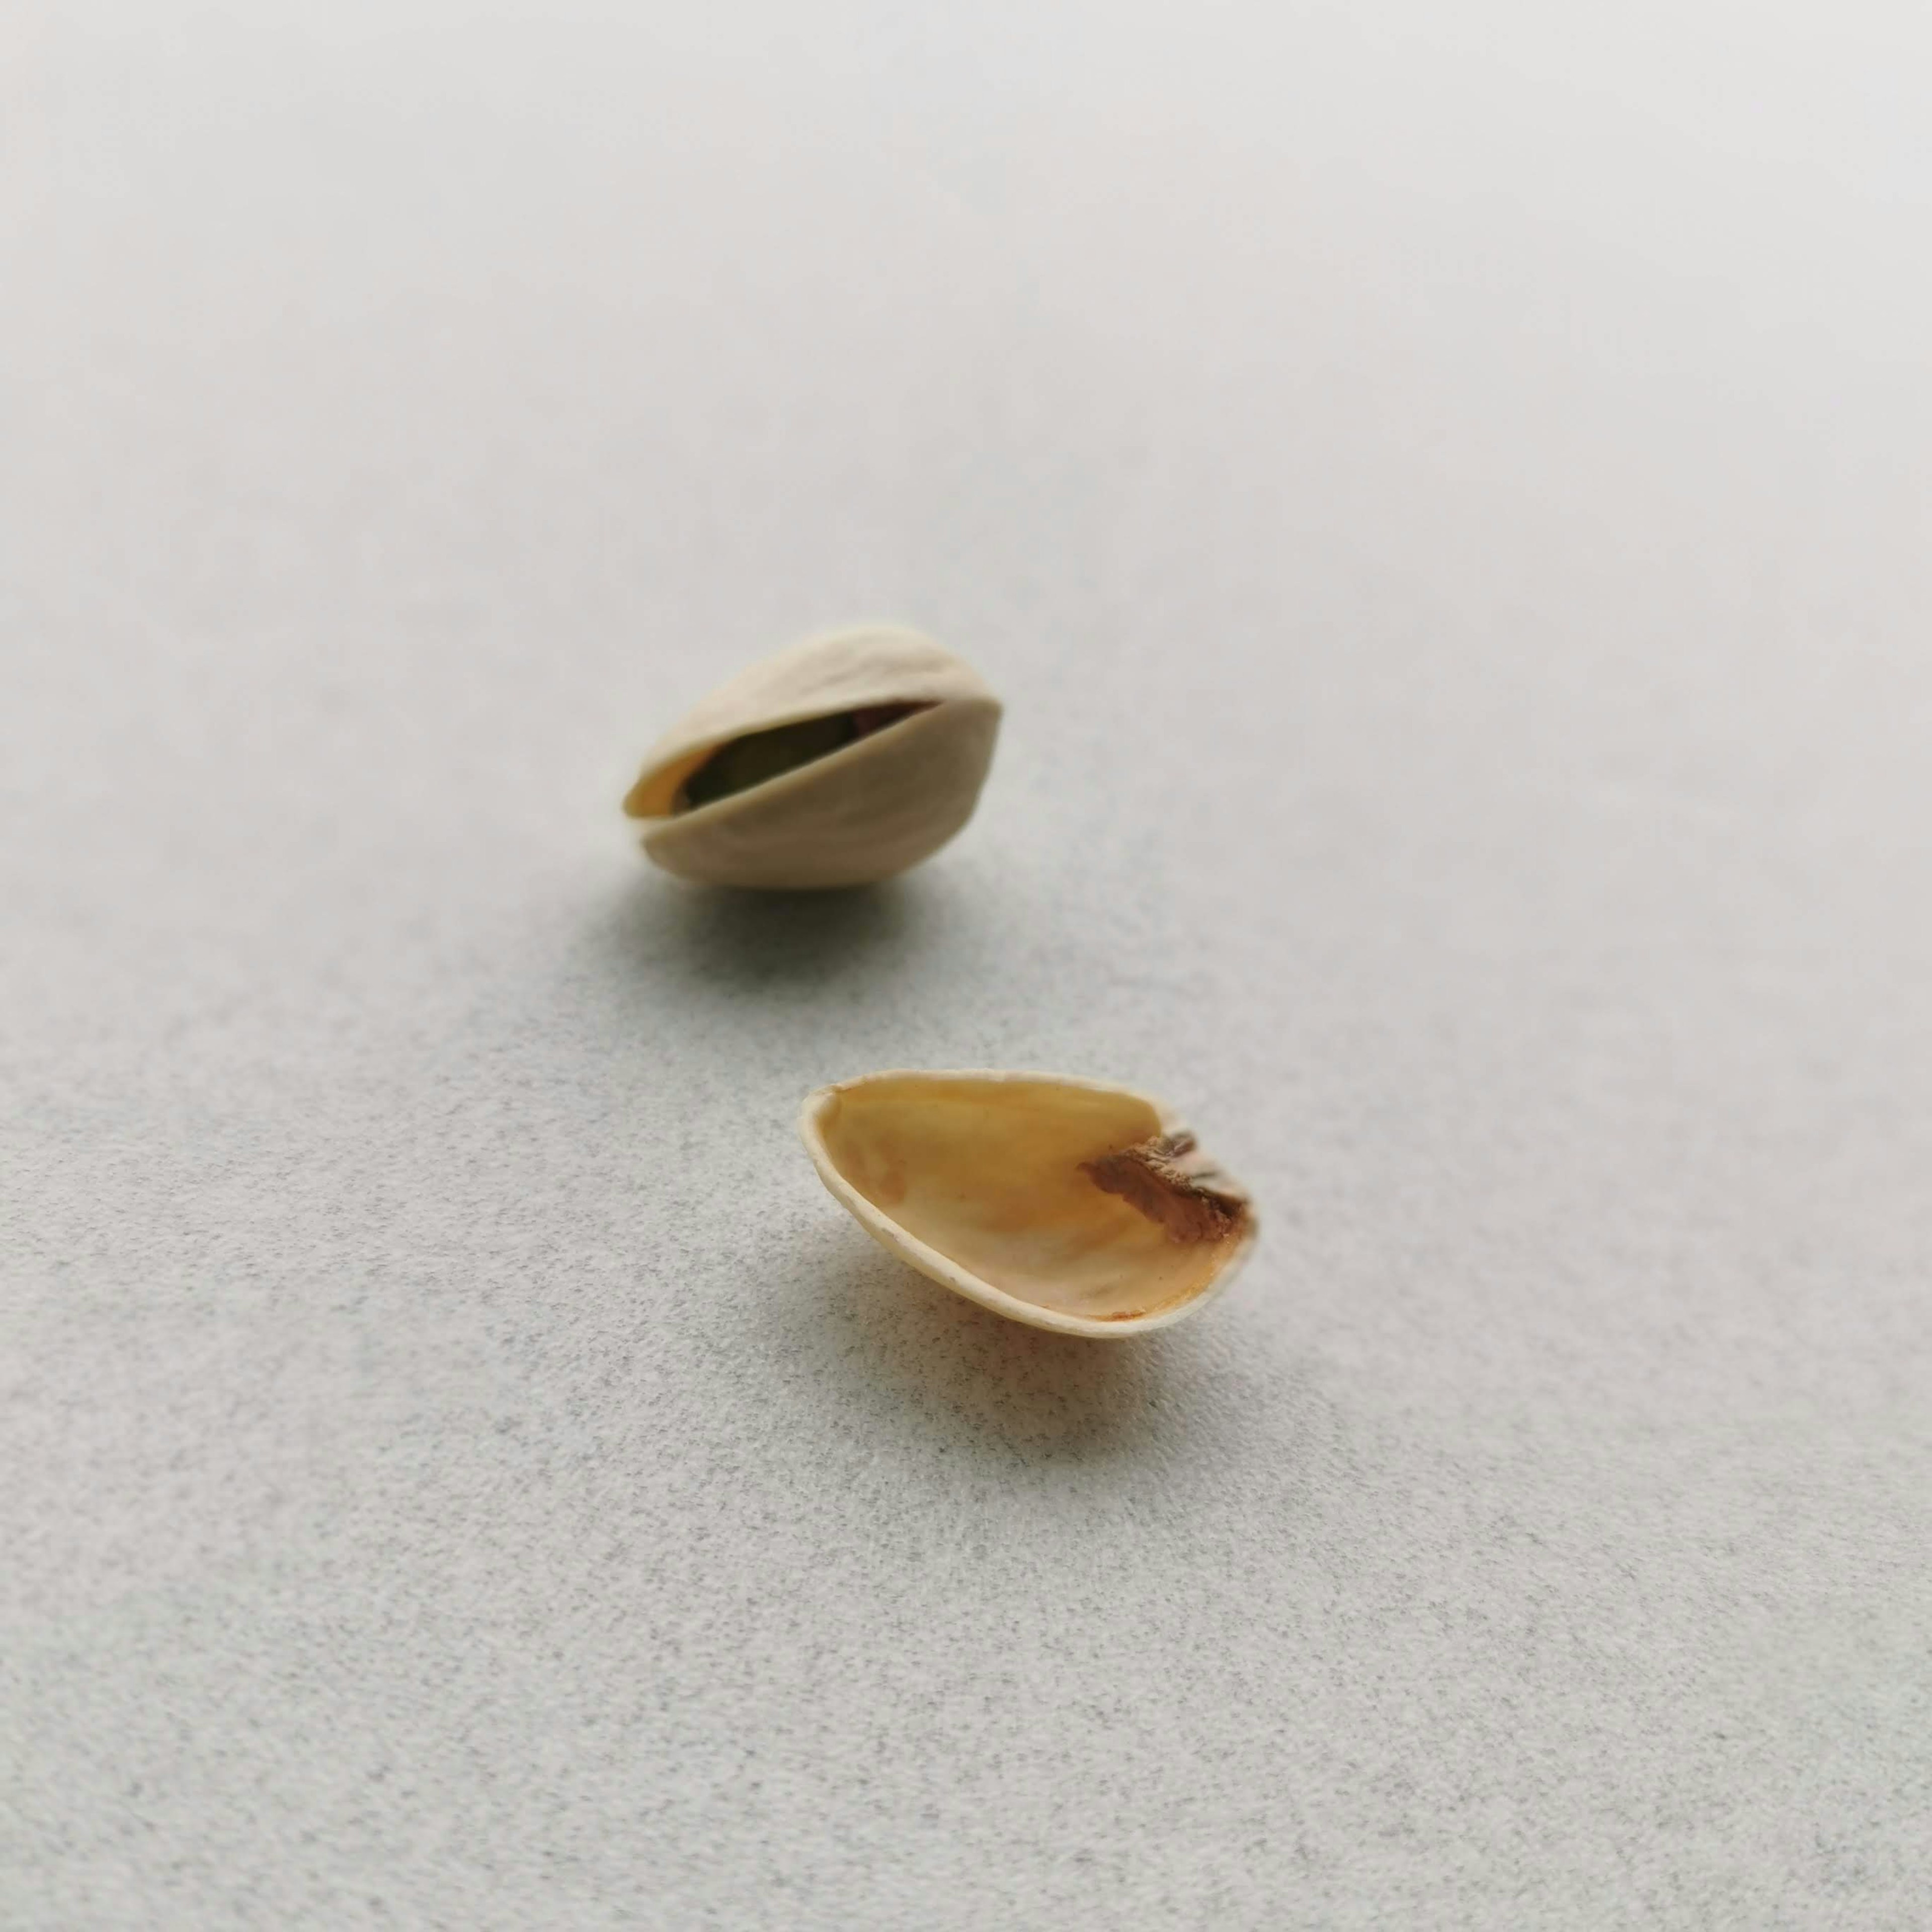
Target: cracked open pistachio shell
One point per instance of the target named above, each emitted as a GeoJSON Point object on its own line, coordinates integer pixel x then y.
{"type": "Point", "coordinates": [844, 760]}
{"type": "Point", "coordinates": [1067, 1204]}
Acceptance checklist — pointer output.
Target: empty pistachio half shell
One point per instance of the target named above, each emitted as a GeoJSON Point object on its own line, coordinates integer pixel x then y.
{"type": "Point", "coordinates": [1064, 1203]}
{"type": "Point", "coordinates": [844, 760]}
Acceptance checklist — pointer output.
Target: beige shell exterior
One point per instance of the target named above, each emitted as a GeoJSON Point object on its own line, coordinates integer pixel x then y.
{"type": "Point", "coordinates": [862, 813]}
{"type": "Point", "coordinates": [1012, 1097]}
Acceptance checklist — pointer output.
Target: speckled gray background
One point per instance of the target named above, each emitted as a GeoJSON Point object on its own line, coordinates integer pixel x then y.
{"type": "Point", "coordinates": [1444, 493]}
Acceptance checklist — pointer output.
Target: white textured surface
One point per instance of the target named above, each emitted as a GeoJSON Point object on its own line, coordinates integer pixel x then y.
{"type": "Point", "coordinates": [1447, 505]}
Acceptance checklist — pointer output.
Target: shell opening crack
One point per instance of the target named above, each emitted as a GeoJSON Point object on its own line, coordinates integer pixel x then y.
{"type": "Point", "coordinates": [741, 762]}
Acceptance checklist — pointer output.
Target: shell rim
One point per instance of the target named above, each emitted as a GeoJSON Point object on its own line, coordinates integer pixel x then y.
{"type": "Point", "coordinates": [940, 1268]}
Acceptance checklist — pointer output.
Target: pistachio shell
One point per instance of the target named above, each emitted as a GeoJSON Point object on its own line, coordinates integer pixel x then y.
{"type": "Point", "coordinates": [1067, 1204]}
{"type": "Point", "coordinates": [864, 811]}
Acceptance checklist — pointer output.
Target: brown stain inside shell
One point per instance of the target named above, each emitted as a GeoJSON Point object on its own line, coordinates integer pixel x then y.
{"type": "Point", "coordinates": [1163, 1179]}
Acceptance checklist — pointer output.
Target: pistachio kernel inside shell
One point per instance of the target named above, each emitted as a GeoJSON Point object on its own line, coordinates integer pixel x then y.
{"type": "Point", "coordinates": [740, 763]}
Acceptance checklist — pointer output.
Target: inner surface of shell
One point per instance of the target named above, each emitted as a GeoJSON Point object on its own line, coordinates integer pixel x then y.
{"type": "Point", "coordinates": [1079, 1200]}
{"type": "Point", "coordinates": [740, 763]}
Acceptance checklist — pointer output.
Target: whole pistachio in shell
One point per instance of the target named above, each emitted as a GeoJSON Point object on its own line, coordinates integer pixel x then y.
{"type": "Point", "coordinates": [1064, 1203]}
{"type": "Point", "coordinates": [846, 759]}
